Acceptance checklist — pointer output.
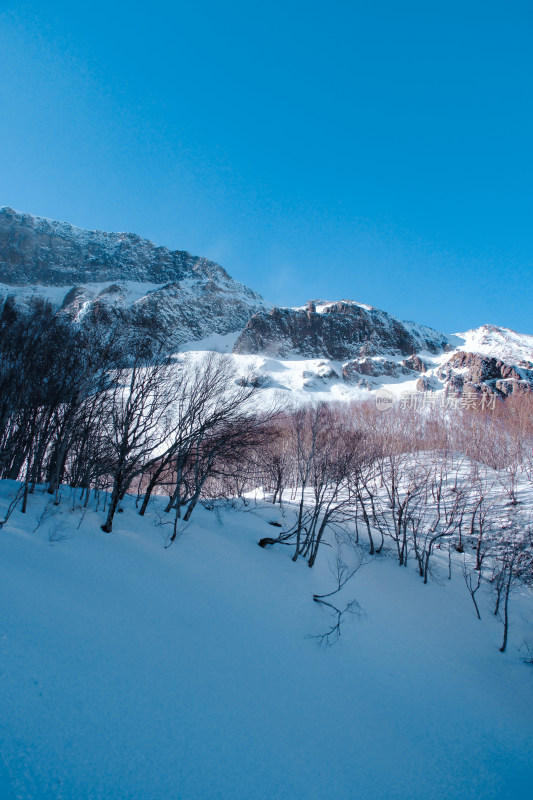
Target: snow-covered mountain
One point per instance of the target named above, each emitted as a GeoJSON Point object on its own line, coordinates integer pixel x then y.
{"type": "Point", "coordinates": [324, 350]}
{"type": "Point", "coordinates": [93, 273]}
{"type": "Point", "coordinates": [347, 347]}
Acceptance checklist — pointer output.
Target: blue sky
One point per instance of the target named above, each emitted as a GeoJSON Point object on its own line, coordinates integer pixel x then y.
{"type": "Point", "coordinates": [379, 151]}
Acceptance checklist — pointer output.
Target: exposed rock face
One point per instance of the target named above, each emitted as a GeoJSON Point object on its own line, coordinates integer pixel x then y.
{"type": "Point", "coordinates": [474, 371]}
{"type": "Point", "coordinates": [340, 331]}
{"type": "Point", "coordinates": [369, 366]}
{"type": "Point", "coordinates": [373, 367]}
{"type": "Point", "coordinates": [350, 372]}
{"type": "Point", "coordinates": [423, 384]}
{"type": "Point", "coordinates": [37, 250]}
{"type": "Point", "coordinates": [482, 368]}
{"type": "Point", "coordinates": [415, 363]}
{"type": "Point", "coordinates": [325, 371]}
{"type": "Point", "coordinates": [254, 380]}
{"type": "Point", "coordinates": [184, 296]}
{"type": "Point", "coordinates": [454, 385]}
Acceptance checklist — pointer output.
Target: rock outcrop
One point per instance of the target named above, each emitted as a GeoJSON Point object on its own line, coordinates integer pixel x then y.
{"type": "Point", "coordinates": [466, 371]}
{"type": "Point", "coordinates": [339, 331]}
{"type": "Point", "coordinates": [415, 363]}
{"type": "Point", "coordinates": [423, 384]}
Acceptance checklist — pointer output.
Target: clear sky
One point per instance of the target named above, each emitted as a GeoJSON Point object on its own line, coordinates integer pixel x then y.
{"type": "Point", "coordinates": [379, 151]}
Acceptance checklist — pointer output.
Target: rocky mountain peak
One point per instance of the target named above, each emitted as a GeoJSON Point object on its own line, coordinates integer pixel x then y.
{"type": "Point", "coordinates": [183, 296]}
{"type": "Point", "coordinates": [339, 330]}
{"type": "Point", "coordinates": [38, 250]}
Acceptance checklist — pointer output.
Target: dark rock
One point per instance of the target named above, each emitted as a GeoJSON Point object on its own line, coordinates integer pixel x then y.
{"type": "Point", "coordinates": [423, 384]}
{"type": "Point", "coordinates": [255, 380]}
{"type": "Point", "coordinates": [453, 386]}
{"type": "Point", "coordinates": [415, 363]}
{"type": "Point", "coordinates": [350, 372]}
{"type": "Point", "coordinates": [326, 372]}
{"type": "Point", "coordinates": [480, 368]}
{"type": "Point", "coordinates": [373, 367]}
{"type": "Point", "coordinates": [513, 387]}
{"type": "Point", "coordinates": [341, 331]}
{"type": "Point", "coordinates": [486, 374]}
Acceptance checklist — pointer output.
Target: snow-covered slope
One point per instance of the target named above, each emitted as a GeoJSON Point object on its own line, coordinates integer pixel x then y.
{"type": "Point", "coordinates": [503, 343]}
{"type": "Point", "coordinates": [349, 346]}
{"type": "Point", "coordinates": [128, 670]}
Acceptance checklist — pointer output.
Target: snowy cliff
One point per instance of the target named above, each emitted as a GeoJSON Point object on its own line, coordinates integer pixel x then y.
{"type": "Point", "coordinates": [93, 272]}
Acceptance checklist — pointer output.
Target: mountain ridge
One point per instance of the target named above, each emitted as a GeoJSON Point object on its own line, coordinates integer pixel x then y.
{"type": "Point", "coordinates": [174, 293]}
{"type": "Point", "coordinates": [100, 255]}
{"type": "Point", "coordinates": [110, 276]}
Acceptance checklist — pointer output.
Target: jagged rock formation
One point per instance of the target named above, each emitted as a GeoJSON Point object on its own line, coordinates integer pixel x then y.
{"type": "Point", "coordinates": [37, 250]}
{"type": "Point", "coordinates": [373, 367]}
{"type": "Point", "coordinates": [423, 384]}
{"type": "Point", "coordinates": [340, 331]}
{"type": "Point", "coordinates": [466, 371]}
{"type": "Point", "coordinates": [183, 296]}
{"type": "Point", "coordinates": [415, 363]}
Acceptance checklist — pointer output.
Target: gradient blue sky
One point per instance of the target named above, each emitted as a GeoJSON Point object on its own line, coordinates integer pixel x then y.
{"type": "Point", "coordinates": [380, 151]}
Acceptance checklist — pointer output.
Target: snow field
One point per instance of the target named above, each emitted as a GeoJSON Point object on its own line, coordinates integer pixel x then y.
{"type": "Point", "coordinates": [133, 671]}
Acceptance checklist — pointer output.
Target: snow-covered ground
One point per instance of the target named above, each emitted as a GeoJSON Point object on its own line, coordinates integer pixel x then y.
{"type": "Point", "coordinates": [299, 379]}
{"type": "Point", "coordinates": [490, 340]}
{"type": "Point", "coordinates": [128, 670]}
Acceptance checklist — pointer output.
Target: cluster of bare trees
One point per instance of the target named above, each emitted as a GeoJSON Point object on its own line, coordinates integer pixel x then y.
{"type": "Point", "coordinates": [214, 429]}
{"type": "Point", "coordinates": [50, 378]}
{"type": "Point", "coordinates": [81, 406]}
{"type": "Point", "coordinates": [426, 485]}
{"type": "Point", "coordinates": [89, 409]}
{"type": "Point", "coordinates": [319, 456]}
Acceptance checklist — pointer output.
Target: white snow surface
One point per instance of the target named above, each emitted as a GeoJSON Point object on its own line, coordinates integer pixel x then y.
{"type": "Point", "coordinates": [128, 670]}
{"type": "Point", "coordinates": [129, 291]}
{"type": "Point", "coordinates": [502, 343]}
{"type": "Point", "coordinates": [300, 379]}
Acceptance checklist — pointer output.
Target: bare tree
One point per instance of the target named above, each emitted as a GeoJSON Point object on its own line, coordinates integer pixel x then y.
{"type": "Point", "coordinates": [325, 452]}
{"type": "Point", "coordinates": [342, 573]}
{"type": "Point", "coordinates": [137, 421]}
{"type": "Point", "coordinates": [514, 557]}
